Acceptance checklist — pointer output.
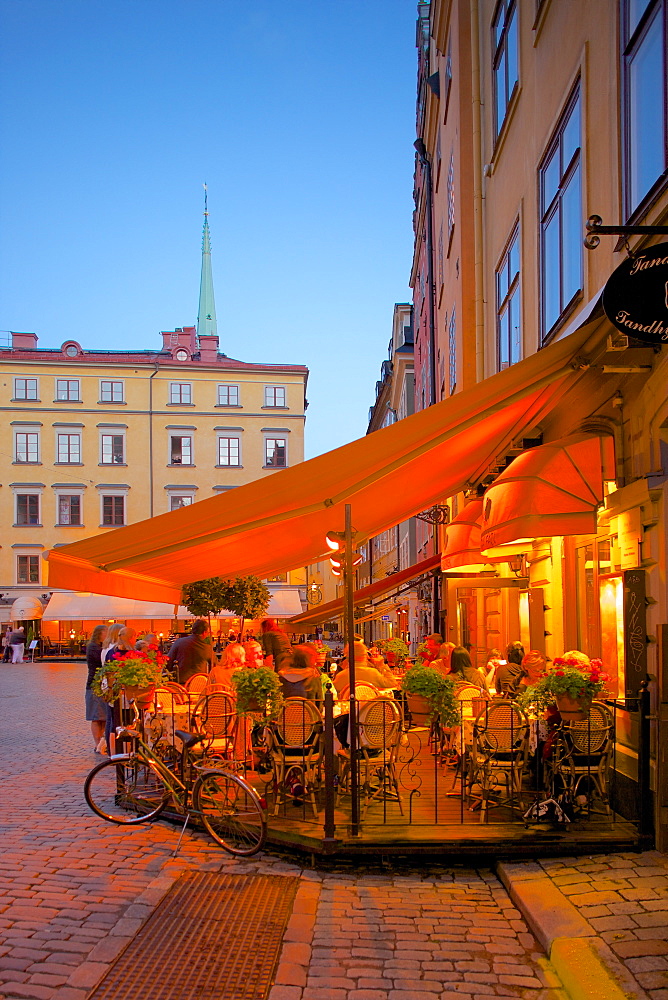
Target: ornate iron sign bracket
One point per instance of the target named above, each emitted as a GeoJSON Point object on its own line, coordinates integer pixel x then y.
{"type": "Point", "coordinates": [596, 229]}
{"type": "Point", "coordinates": [438, 514]}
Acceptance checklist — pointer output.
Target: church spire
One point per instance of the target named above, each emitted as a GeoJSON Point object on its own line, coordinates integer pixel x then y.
{"type": "Point", "coordinates": [206, 316]}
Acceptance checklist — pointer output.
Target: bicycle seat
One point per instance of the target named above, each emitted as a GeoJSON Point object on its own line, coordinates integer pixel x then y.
{"type": "Point", "coordinates": [189, 739]}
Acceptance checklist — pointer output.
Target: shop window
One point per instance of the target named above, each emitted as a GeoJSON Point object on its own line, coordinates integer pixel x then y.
{"type": "Point", "coordinates": [112, 449]}
{"type": "Point", "coordinates": [504, 65]}
{"type": "Point", "coordinates": [25, 388]}
{"type": "Point", "coordinates": [644, 97]}
{"type": "Point", "coordinates": [27, 569]}
{"type": "Point", "coordinates": [228, 395]}
{"type": "Point", "coordinates": [181, 451]}
{"type": "Point", "coordinates": [180, 393]}
{"type": "Point", "coordinates": [111, 392]}
{"type": "Point", "coordinates": [561, 219]}
{"type": "Point", "coordinates": [69, 508]}
{"type": "Point", "coordinates": [509, 349]}
{"type": "Point", "coordinates": [27, 447]}
{"type": "Point", "coordinates": [229, 451]}
{"type": "Point", "coordinates": [27, 508]}
{"type": "Point", "coordinates": [69, 449]}
{"type": "Point", "coordinates": [274, 395]}
{"type": "Point", "coordinates": [278, 578]}
{"type": "Point", "coordinates": [113, 510]}
{"type": "Point", "coordinates": [67, 390]}
{"type": "Point", "coordinates": [275, 453]}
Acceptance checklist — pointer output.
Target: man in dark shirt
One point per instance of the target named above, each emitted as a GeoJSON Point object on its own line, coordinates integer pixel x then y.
{"type": "Point", "coordinates": [192, 654]}
{"type": "Point", "coordinates": [275, 643]}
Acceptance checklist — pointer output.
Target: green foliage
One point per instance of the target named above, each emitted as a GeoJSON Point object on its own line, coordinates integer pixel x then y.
{"type": "Point", "coordinates": [134, 669]}
{"type": "Point", "coordinates": [205, 597]}
{"type": "Point", "coordinates": [246, 596]}
{"type": "Point", "coordinates": [580, 682]}
{"type": "Point", "coordinates": [437, 689]}
{"type": "Point", "coordinates": [259, 686]}
{"type": "Point", "coordinates": [396, 646]}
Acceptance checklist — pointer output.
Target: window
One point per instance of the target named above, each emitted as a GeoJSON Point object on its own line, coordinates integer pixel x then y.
{"type": "Point", "coordinates": [275, 450]}
{"type": "Point", "coordinates": [451, 197]}
{"type": "Point", "coordinates": [509, 346]}
{"type": "Point", "coordinates": [111, 392]}
{"type": "Point", "coordinates": [278, 578]}
{"type": "Point", "coordinates": [452, 351]}
{"type": "Point", "coordinates": [25, 388]}
{"type": "Point", "coordinates": [228, 450]}
{"type": "Point", "coordinates": [69, 449]}
{"type": "Point", "coordinates": [69, 508]}
{"type": "Point", "coordinates": [27, 569]}
{"type": "Point", "coordinates": [181, 451]}
{"type": "Point", "coordinates": [228, 395]}
{"type": "Point", "coordinates": [113, 510]}
{"type": "Point", "coordinates": [113, 449]}
{"type": "Point", "coordinates": [644, 97]}
{"type": "Point", "coordinates": [561, 219]}
{"type": "Point", "coordinates": [274, 395]}
{"type": "Point", "coordinates": [504, 65]}
{"type": "Point", "coordinates": [180, 392]}
{"type": "Point", "coordinates": [27, 508]}
{"type": "Point", "coordinates": [176, 502]}
{"type": "Point", "coordinates": [67, 389]}
{"type": "Point", "coordinates": [27, 447]}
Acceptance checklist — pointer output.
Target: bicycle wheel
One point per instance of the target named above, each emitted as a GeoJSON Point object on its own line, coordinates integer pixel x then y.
{"type": "Point", "coordinates": [125, 790]}
{"type": "Point", "coordinates": [231, 811]}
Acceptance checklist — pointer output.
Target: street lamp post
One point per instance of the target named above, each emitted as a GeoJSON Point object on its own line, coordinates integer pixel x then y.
{"type": "Point", "coordinates": [349, 628]}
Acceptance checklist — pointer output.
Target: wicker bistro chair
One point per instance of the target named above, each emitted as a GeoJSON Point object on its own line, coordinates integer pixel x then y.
{"type": "Point", "coordinates": [379, 731]}
{"type": "Point", "coordinates": [295, 741]}
{"type": "Point", "coordinates": [179, 692]}
{"type": "Point", "coordinates": [195, 686]}
{"type": "Point", "coordinates": [499, 756]}
{"type": "Point", "coordinates": [581, 756]}
{"type": "Point", "coordinates": [363, 692]}
{"type": "Point", "coordinates": [215, 716]}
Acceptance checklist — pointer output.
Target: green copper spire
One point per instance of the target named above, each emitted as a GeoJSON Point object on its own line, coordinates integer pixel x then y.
{"type": "Point", "coordinates": [206, 317]}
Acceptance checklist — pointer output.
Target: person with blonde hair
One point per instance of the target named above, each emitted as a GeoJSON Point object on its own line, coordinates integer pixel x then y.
{"type": "Point", "coordinates": [254, 655]}
{"type": "Point", "coordinates": [442, 663]}
{"type": "Point", "coordinates": [96, 707]}
{"type": "Point", "coordinates": [233, 658]}
{"type": "Point", "coordinates": [365, 673]}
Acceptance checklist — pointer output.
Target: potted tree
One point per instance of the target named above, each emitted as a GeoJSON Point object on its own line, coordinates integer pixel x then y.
{"type": "Point", "coordinates": [205, 598]}
{"type": "Point", "coordinates": [571, 683]}
{"type": "Point", "coordinates": [430, 694]}
{"type": "Point", "coordinates": [247, 597]}
{"type": "Point", "coordinates": [258, 690]}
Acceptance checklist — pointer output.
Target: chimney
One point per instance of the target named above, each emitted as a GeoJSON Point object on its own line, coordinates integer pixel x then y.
{"type": "Point", "coordinates": [208, 348]}
{"type": "Point", "coordinates": [182, 336]}
{"type": "Point", "coordinates": [24, 341]}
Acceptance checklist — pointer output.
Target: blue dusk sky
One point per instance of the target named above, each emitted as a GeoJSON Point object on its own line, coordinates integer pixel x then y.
{"type": "Point", "coordinates": [301, 119]}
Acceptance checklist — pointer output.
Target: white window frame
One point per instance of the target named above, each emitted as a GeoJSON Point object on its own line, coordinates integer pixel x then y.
{"type": "Point", "coordinates": [27, 432]}
{"type": "Point", "coordinates": [223, 436]}
{"type": "Point", "coordinates": [170, 454]}
{"type": "Point", "coordinates": [28, 555]}
{"type": "Point", "coordinates": [70, 493]}
{"type": "Point", "coordinates": [69, 434]}
{"type": "Point", "coordinates": [68, 382]}
{"type": "Point", "coordinates": [110, 432]}
{"type": "Point", "coordinates": [112, 382]}
{"type": "Point", "coordinates": [23, 378]}
{"type": "Point", "coordinates": [181, 386]}
{"type": "Point", "coordinates": [275, 437]}
{"type": "Point", "coordinates": [229, 389]}
{"type": "Point", "coordinates": [271, 394]}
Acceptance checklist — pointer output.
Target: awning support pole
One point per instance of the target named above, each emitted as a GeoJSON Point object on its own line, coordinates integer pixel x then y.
{"type": "Point", "coordinates": [348, 593]}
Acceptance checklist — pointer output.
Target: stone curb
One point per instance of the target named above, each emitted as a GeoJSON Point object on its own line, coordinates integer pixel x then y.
{"type": "Point", "coordinates": [587, 967]}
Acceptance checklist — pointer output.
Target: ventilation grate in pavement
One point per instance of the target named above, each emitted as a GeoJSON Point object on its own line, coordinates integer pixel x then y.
{"type": "Point", "coordinates": [213, 937]}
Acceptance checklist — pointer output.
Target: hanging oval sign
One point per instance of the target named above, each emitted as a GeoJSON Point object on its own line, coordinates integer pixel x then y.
{"type": "Point", "coordinates": [635, 297]}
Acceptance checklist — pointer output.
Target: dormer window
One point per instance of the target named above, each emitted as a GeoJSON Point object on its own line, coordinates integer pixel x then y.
{"type": "Point", "coordinates": [181, 354]}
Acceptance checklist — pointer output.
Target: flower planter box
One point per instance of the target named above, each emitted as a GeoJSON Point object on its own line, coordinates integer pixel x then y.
{"type": "Point", "coordinates": [420, 709]}
{"type": "Point", "coordinates": [572, 709]}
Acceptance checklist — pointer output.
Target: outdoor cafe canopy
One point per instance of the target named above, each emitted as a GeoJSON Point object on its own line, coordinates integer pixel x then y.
{"type": "Point", "coordinates": [279, 522]}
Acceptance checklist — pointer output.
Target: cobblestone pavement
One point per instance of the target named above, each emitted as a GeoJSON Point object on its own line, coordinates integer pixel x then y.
{"type": "Point", "coordinates": [75, 889]}
{"type": "Point", "coordinates": [624, 898]}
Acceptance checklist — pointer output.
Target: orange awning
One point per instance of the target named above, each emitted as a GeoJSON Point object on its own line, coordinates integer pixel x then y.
{"type": "Point", "coordinates": [554, 489]}
{"type": "Point", "coordinates": [325, 612]}
{"type": "Point", "coordinates": [462, 540]}
{"type": "Point", "coordinates": [279, 522]}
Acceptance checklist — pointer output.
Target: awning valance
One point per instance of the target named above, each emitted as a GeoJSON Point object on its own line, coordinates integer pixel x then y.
{"type": "Point", "coordinates": [279, 522]}
{"type": "Point", "coordinates": [101, 607]}
{"type": "Point", "coordinates": [333, 609]}
{"type": "Point", "coordinates": [462, 541]}
{"type": "Point", "coordinates": [554, 489]}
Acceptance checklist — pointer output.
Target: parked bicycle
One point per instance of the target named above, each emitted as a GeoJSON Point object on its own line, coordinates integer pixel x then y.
{"type": "Point", "coordinates": [136, 787]}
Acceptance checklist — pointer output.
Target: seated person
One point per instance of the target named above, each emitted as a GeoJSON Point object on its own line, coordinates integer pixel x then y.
{"type": "Point", "coordinates": [443, 662]}
{"type": "Point", "coordinates": [254, 654]}
{"type": "Point", "coordinates": [365, 673]}
{"type": "Point", "coordinates": [233, 658]}
{"type": "Point", "coordinates": [463, 671]}
{"type": "Point", "coordinates": [509, 674]}
{"type": "Point", "coordinates": [301, 678]}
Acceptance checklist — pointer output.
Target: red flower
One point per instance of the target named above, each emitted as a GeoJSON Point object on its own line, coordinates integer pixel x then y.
{"type": "Point", "coordinates": [597, 664]}
{"type": "Point", "coordinates": [571, 662]}
{"type": "Point", "coordinates": [559, 673]}
{"type": "Point", "coordinates": [558, 661]}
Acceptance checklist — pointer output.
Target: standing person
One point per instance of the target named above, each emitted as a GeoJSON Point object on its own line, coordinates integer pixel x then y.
{"type": "Point", "coordinates": [7, 649]}
{"type": "Point", "coordinates": [96, 707]}
{"type": "Point", "coordinates": [192, 654]}
{"type": "Point", "coordinates": [17, 641]}
{"type": "Point", "coordinates": [275, 644]}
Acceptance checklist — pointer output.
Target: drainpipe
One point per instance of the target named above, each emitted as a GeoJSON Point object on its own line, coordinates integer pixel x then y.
{"type": "Point", "coordinates": [424, 160]}
{"type": "Point", "coordinates": [150, 438]}
{"type": "Point", "coordinates": [477, 194]}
